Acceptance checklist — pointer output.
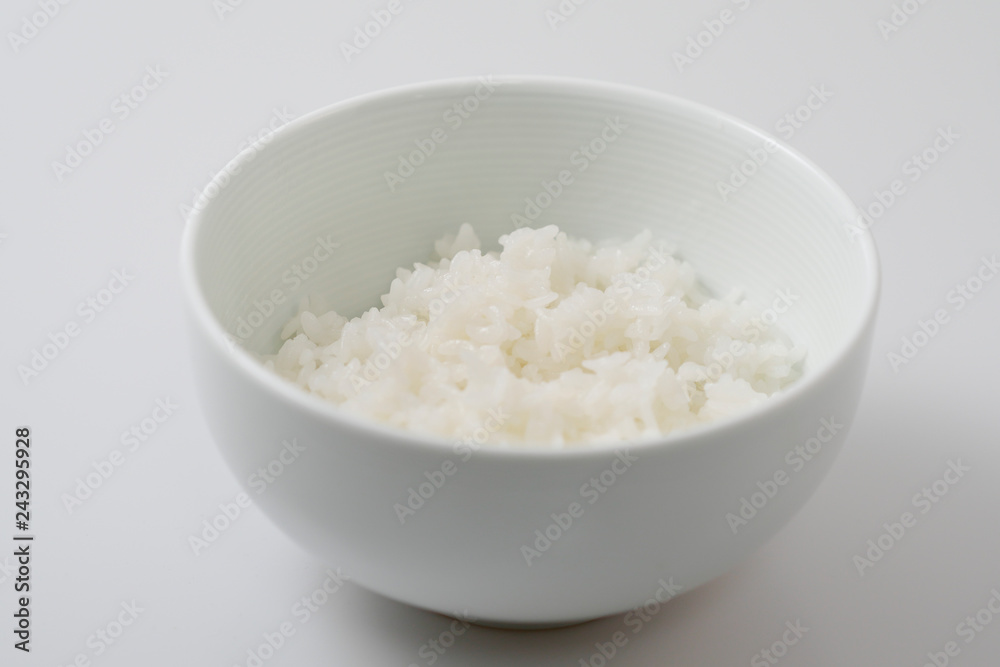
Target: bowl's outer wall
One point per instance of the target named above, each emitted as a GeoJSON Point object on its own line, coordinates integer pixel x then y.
{"type": "Point", "coordinates": [461, 553]}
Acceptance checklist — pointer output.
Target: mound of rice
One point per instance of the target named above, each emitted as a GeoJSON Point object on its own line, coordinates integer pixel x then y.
{"type": "Point", "coordinates": [552, 341]}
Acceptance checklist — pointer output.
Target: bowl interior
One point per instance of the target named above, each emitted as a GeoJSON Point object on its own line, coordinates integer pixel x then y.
{"type": "Point", "coordinates": [339, 199]}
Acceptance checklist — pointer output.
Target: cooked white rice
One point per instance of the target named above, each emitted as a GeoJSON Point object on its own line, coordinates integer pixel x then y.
{"type": "Point", "coordinates": [552, 341]}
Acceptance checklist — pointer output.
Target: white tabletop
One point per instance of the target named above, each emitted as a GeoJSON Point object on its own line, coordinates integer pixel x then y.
{"type": "Point", "coordinates": [161, 95]}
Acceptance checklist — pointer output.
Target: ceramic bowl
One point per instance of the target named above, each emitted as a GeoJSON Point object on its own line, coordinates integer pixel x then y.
{"type": "Point", "coordinates": [336, 200]}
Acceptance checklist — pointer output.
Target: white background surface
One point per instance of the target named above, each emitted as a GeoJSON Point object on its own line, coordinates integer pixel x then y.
{"type": "Point", "coordinates": [121, 210]}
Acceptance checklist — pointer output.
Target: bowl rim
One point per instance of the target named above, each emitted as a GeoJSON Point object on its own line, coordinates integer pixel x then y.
{"type": "Point", "coordinates": [325, 410]}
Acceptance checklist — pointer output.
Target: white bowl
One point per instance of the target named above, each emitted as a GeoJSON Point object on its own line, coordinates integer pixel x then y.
{"type": "Point", "coordinates": [690, 506]}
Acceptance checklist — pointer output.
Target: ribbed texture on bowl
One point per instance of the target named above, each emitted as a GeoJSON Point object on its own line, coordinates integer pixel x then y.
{"type": "Point", "coordinates": [324, 176]}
